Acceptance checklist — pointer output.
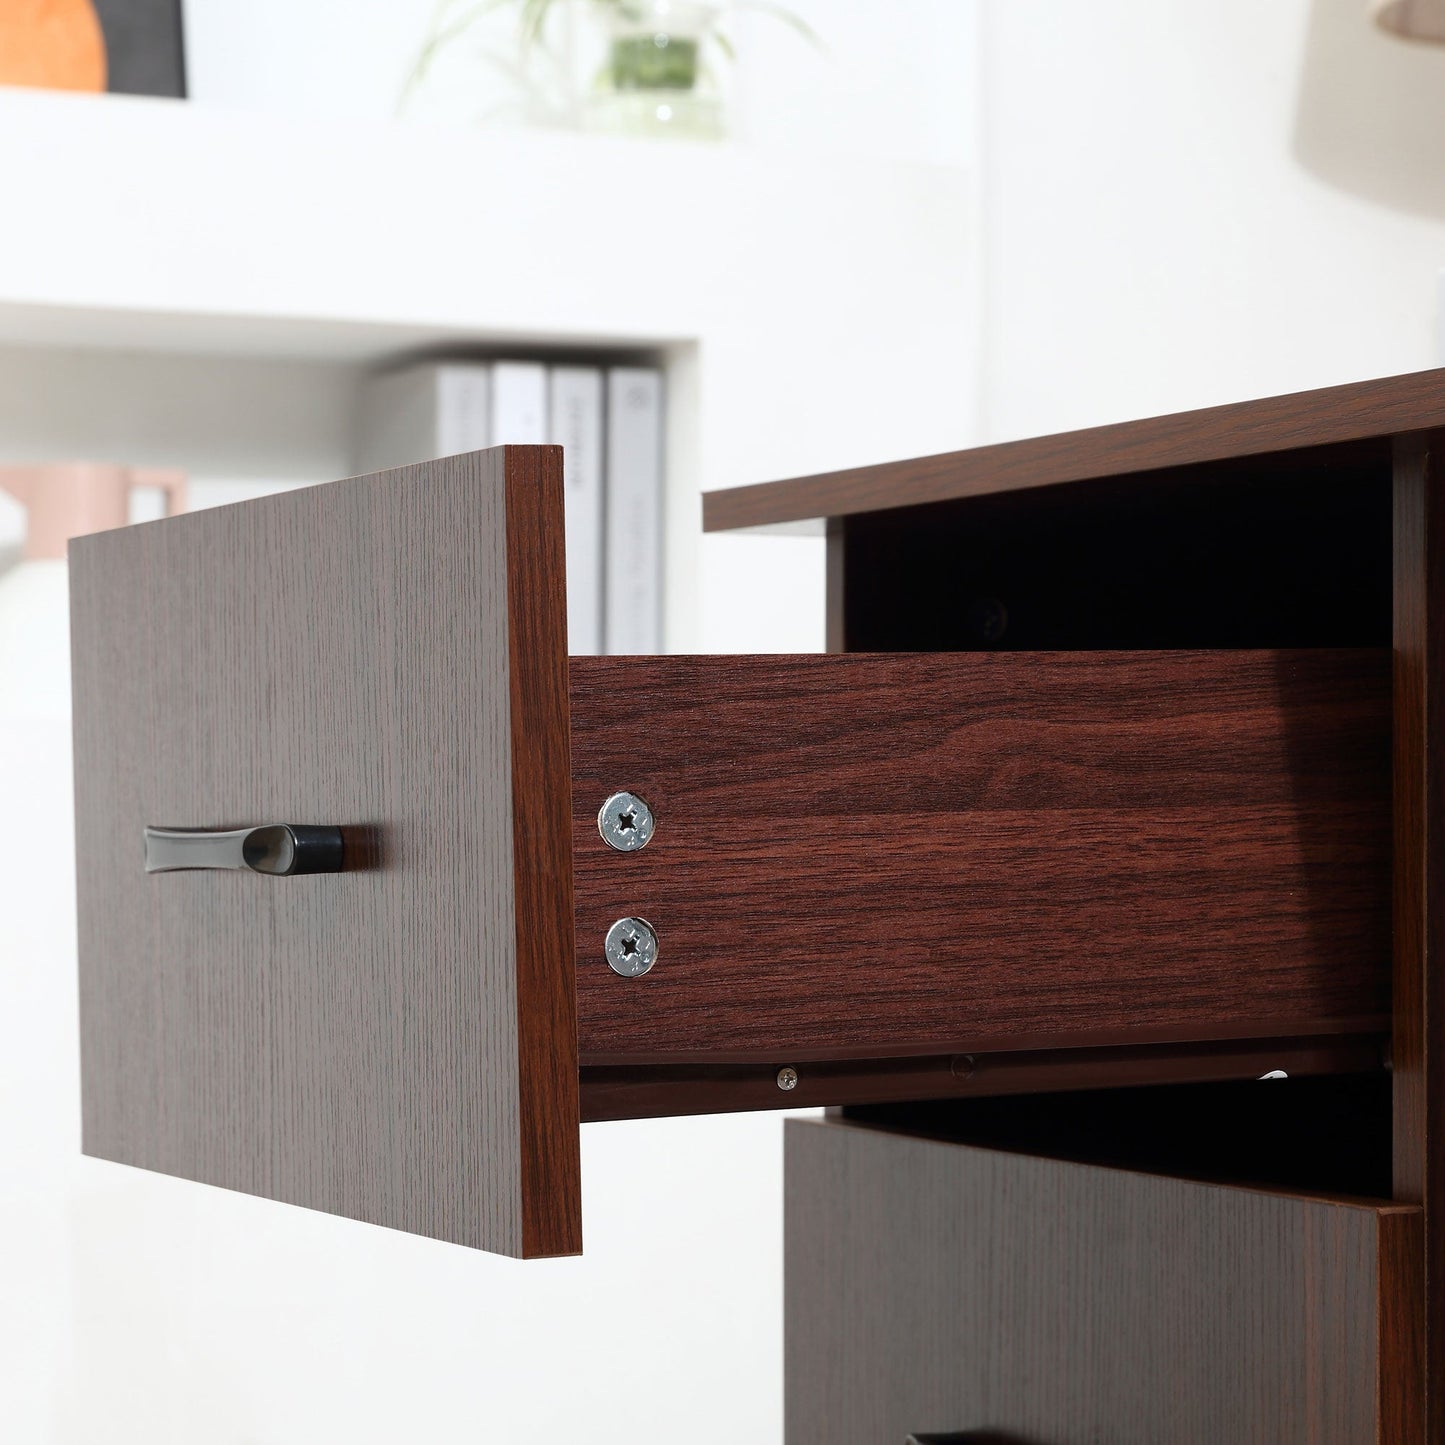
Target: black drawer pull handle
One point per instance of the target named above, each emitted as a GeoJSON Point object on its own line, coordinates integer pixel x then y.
{"type": "Point", "coordinates": [281, 850]}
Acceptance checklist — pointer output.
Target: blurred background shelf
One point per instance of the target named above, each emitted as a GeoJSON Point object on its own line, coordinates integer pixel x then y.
{"type": "Point", "coordinates": [203, 288]}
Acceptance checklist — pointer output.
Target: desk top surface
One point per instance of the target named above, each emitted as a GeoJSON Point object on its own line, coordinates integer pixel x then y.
{"type": "Point", "coordinates": [1362, 411]}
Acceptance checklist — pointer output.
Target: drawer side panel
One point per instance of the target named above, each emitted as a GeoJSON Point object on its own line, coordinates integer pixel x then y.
{"type": "Point", "coordinates": [862, 856]}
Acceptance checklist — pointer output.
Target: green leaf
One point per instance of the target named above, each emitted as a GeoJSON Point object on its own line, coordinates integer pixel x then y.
{"type": "Point", "coordinates": [534, 19]}
{"type": "Point", "coordinates": [440, 34]}
{"type": "Point", "coordinates": [794, 22]}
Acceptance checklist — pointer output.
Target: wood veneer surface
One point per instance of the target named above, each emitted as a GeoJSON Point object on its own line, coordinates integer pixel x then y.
{"type": "Point", "coordinates": [939, 1287]}
{"type": "Point", "coordinates": [395, 1043]}
{"type": "Point", "coordinates": [1332, 416]}
{"type": "Point", "coordinates": [1419, 871]}
{"type": "Point", "coordinates": [859, 856]}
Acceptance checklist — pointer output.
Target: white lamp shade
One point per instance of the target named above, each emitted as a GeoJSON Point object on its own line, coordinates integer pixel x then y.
{"type": "Point", "coordinates": [1414, 19]}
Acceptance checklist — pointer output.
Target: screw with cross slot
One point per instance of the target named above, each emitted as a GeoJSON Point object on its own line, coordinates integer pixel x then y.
{"type": "Point", "coordinates": [630, 947]}
{"type": "Point", "coordinates": [625, 822]}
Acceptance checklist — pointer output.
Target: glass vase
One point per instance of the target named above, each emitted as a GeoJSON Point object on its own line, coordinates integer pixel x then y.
{"type": "Point", "coordinates": [655, 79]}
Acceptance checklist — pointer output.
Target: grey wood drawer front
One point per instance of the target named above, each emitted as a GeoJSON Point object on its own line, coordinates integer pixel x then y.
{"type": "Point", "coordinates": [938, 1287]}
{"type": "Point", "coordinates": [396, 1042]}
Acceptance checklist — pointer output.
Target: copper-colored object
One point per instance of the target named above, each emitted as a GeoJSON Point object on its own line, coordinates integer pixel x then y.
{"type": "Point", "coordinates": [72, 499]}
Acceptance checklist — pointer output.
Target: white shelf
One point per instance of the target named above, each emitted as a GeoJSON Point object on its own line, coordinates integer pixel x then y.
{"type": "Point", "coordinates": [812, 313]}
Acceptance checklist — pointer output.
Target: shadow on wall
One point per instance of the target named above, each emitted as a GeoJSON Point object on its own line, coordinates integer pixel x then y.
{"type": "Point", "coordinates": [1371, 116]}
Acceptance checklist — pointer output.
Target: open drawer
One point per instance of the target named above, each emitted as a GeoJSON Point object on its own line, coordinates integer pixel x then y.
{"type": "Point", "coordinates": [866, 877]}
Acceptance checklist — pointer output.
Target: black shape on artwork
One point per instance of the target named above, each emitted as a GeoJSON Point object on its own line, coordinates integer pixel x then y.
{"type": "Point", "coordinates": [144, 48]}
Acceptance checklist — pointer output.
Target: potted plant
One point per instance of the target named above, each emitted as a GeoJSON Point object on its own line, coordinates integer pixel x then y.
{"type": "Point", "coordinates": [657, 74]}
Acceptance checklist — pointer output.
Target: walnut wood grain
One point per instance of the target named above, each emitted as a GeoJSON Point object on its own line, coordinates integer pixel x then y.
{"type": "Point", "coordinates": [1404, 1327]}
{"type": "Point", "coordinates": [1333, 416]}
{"type": "Point", "coordinates": [861, 856]}
{"type": "Point", "coordinates": [395, 1043]}
{"type": "Point", "coordinates": [1419, 871]}
{"type": "Point", "coordinates": [545, 979]}
{"type": "Point", "coordinates": [935, 1287]}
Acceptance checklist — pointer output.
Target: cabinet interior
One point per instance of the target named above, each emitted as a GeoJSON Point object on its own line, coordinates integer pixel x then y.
{"type": "Point", "coordinates": [1327, 1134]}
{"type": "Point", "coordinates": [1292, 550]}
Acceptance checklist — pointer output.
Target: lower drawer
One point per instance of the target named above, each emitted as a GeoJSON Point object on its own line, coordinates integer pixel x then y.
{"type": "Point", "coordinates": [942, 1288]}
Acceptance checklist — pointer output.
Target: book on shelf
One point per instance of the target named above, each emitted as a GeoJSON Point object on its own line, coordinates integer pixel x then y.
{"type": "Point", "coordinates": [519, 404]}
{"type": "Point", "coordinates": [418, 413]}
{"type": "Point", "coordinates": [575, 424]}
{"type": "Point", "coordinates": [609, 425]}
{"type": "Point", "coordinates": [632, 563]}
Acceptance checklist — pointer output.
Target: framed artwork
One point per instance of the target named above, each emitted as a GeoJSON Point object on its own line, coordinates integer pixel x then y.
{"type": "Point", "coordinates": [130, 46]}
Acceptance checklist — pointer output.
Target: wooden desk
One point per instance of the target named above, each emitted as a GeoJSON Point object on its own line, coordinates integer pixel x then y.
{"type": "Point", "coordinates": [1109, 784]}
{"type": "Point", "coordinates": [935, 1285]}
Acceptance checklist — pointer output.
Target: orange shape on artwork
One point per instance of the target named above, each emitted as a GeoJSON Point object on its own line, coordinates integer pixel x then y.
{"type": "Point", "coordinates": [52, 44]}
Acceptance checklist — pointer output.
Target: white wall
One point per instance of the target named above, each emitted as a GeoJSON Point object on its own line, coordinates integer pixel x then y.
{"type": "Point", "coordinates": [1154, 239]}
{"type": "Point", "coordinates": [888, 80]}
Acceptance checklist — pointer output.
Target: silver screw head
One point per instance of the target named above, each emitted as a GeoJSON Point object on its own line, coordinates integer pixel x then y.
{"type": "Point", "coordinates": [631, 947]}
{"type": "Point", "coordinates": [787, 1079]}
{"type": "Point", "coordinates": [625, 822]}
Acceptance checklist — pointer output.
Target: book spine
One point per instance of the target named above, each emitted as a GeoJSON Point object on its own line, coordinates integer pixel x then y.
{"type": "Point", "coordinates": [396, 419]}
{"type": "Point", "coordinates": [519, 403]}
{"type": "Point", "coordinates": [463, 408]}
{"type": "Point", "coordinates": [633, 554]}
{"type": "Point", "coordinates": [422, 412]}
{"type": "Point", "coordinates": [575, 422]}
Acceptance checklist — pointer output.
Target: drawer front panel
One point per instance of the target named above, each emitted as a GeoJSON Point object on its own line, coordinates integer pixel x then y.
{"type": "Point", "coordinates": [396, 1041]}
{"type": "Point", "coordinates": [936, 1287]}
{"type": "Point", "coordinates": [861, 855]}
